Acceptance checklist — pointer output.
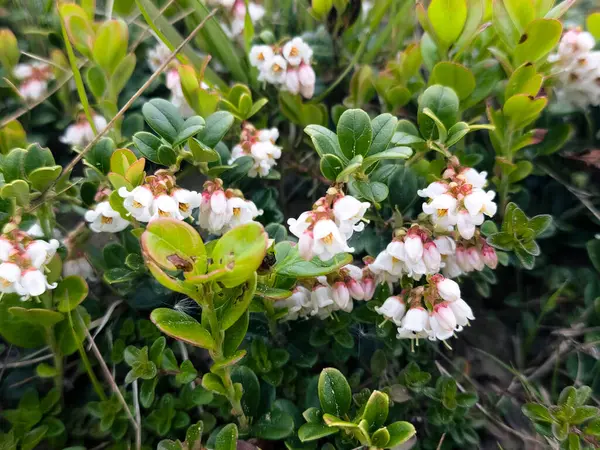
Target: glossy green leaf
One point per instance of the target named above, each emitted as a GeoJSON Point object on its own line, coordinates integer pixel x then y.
{"type": "Point", "coordinates": [539, 38]}
{"type": "Point", "coordinates": [440, 11]}
{"type": "Point", "coordinates": [335, 394]}
{"type": "Point", "coordinates": [455, 76]}
{"type": "Point", "coordinates": [180, 326]}
{"type": "Point", "coordinates": [37, 316]}
{"type": "Point", "coordinates": [355, 133]}
{"type": "Point", "coordinates": [444, 103]}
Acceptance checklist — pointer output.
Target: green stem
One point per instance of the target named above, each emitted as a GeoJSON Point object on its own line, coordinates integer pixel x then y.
{"type": "Point", "coordinates": [58, 359]}
{"type": "Point", "coordinates": [225, 373]}
{"type": "Point", "coordinates": [86, 362]}
{"type": "Point", "coordinates": [77, 76]}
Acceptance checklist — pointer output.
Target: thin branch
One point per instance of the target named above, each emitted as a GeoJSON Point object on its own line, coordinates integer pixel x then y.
{"type": "Point", "coordinates": [110, 380]}
{"type": "Point", "coordinates": [138, 416]}
{"type": "Point", "coordinates": [127, 105]}
{"type": "Point", "coordinates": [104, 320]}
{"type": "Point", "coordinates": [25, 363]}
{"type": "Point", "coordinates": [45, 60]}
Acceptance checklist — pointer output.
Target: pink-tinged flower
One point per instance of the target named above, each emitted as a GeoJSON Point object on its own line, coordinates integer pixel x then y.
{"type": "Point", "coordinates": [446, 245]}
{"type": "Point", "coordinates": [393, 309]}
{"type": "Point", "coordinates": [10, 275]}
{"type": "Point", "coordinates": [368, 285]}
{"type": "Point", "coordinates": [349, 213]}
{"type": "Point", "coordinates": [451, 268]}
{"type": "Point", "coordinates": [298, 304]}
{"type": "Point", "coordinates": [307, 79]}
{"type": "Point", "coordinates": [448, 289]}
{"type": "Point", "coordinates": [466, 223]}
{"type": "Point", "coordinates": [413, 246]}
{"type": "Point", "coordinates": [416, 319]}
{"type": "Point", "coordinates": [328, 240]}
{"type": "Point", "coordinates": [6, 249]}
{"type": "Point", "coordinates": [433, 190]}
{"type": "Point", "coordinates": [218, 202]}
{"type": "Point", "coordinates": [442, 210]}
{"type": "Point", "coordinates": [33, 284]}
{"type": "Point", "coordinates": [165, 206]}
{"type": "Point", "coordinates": [276, 70]}
{"type": "Point", "coordinates": [41, 252]}
{"type": "Point", "coordinates": [481, 202]}
{"type": "Point", "coordinates": [305, 245]}
{"type": "Point", "coordinates": [462, 260]}
{"type": "Point", "coordinates": [292, 83]}
{"type": "Point", "coordinates": [476, 179]}
{"type": "Point", "coordinates": [474, 259]}
{"type": "Point", "coordinates": [432, 257]}
{"type": "Point", "coordinates": [341, 296]}
{"type": "Point", "coordinates": [442, 321]}
{"type": "Point", "coordinates": [462, 311]}
{"type": "Point", "coordinates": [489, 256]}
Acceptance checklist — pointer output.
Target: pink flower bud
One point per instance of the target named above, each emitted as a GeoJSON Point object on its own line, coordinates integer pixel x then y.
{"type": "Point", "coordinates": [218, 202]}
{"type": "Point", "coordinates": [462, 260]}
{"type": "Point", "coordinates": [489, 256]}
{"type": "Point", "coordinates": [341, 295]}
{"type": "Point", "coordinates": [474, 259]}
{"type": "Point", "coordinates": [368, 285]}
{"type": "Point", "coordinates": [356, 289]}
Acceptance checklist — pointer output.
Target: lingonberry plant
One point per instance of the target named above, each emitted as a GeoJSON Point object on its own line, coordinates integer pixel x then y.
{"type": "Point", "coordinates": [320, 224]}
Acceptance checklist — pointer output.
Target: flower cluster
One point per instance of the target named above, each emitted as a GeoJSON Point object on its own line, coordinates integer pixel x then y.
{"type": "Point", "coordinates": [156, 57]}
{"type": "Point", "coordinates": [324, 231]}
{"type": "Point", "coordinates": [578, 70]}
{"type": "Point", "coordinates": [459, 200]}
{"type": "Point", "coordinates": [33, 79]}
{"type": "Point", "coordinates": [159, 196]}
{"type": "Point", "coordinates": [23, 263]}
{"type": "Point", "coordinates": [237, 15]}
{"type": "Point", "coordinates": [434, 311]}
{"type": "Point", "coordinates": [329, 294]}
{"type": "Point", "coordinates": [288, 67]}
{"type": "Point", "coordinates": [260, 145]}
{"type": "Point", "coordinates": [81, 133]}
{"type": "Point", "coordinates": [222, 210]}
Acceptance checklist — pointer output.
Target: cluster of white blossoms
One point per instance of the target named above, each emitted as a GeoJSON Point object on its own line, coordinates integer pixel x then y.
{"type": "Point", "coordinates": [221, 210]}
{"type": "Point", "coordinates": [324, 231]}
{"type": "Point", "coordinates": [80, 133]}
{"type": "Point", "coordinates": [459, 201]}
{"type": "Point", "coordinates": [33, 79]}
{"type": "Point", "coordinates": [156, 57]}
{"type": "Point", "coordinates": [329, 294]}
{"type": "Point", "coordinates": [237, 15]}
{"type": "Point", "coordinates": [578, 70]}
{"type": "Point", "coordinates": [159, 196]}
{"type": "Point", "coordinates": [23, 263]}
{"type": "Point", "coordinates": [288, 67]}
{"type": "Point", "coordinates": [435, 311]}
{"type": "Point", "coordinates": [260, 145]}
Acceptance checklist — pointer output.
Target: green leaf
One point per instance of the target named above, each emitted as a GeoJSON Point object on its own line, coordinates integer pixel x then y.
{"type": "Point", "coordinates": [353, 165]}
{"type": "Point", "coordinates": [227, 438]}
{"type": "Point", "coordinates": [122, 74]}
{"type": "Point", "coordinates": [43, 177]}
{"type": "Point", "coordinates": [291, 264]}
{"type": "Point", "coordinates": [44, 370]}
{"type": "Point", "coordinates": [187, 373]}
{"type": "Point", "coordinates": [70, 292]}
{"type": "Point", "coordinates": [524, 80]}
{"type": "Point", "coordinates": [324, 140]}
{"type": "Point", "coordinates": [354, 133]}
{"type": "Point", "coordinates": [235, 334]}
{"type": "Point", "coordinates": [99, 156]}
{"type": "Point", "coordinates": [522, 109]}
{"type": "Point", "coordinates": [314, 431]}
{"type": "Point", "coordinates": [560, 430]}
{"type": "Point", "coordinates": [217, 126]}
{"type": "Point", "coordinates": [384, 126]}
{"type": "Point", "coordinates": [524, 257]}
{"type": "Point", "coordinates": [241, 249]}
{"type": "Point", "coordinates": [150, 147]}
{"type": "Point", "coordinates": [13, 165]}
{"type": "Point", "coordinates": [448, 392]}
{"type": "Point", "coordinates": [164, 118]}
{"type": "Point", "coordinates": [251, 389]}
{"type": "Point", "coordinates": [180, 326]}
{"type": "Point", "coordinates": [331, 166]}
{"type": "Point", "coordinates": [522, 170]}
{"type": "Point", "coordinates": [455, 76]}
{"type": "Point", "coordinates": [201, 152]}
{"type": "Point", "coordinates": [273, 426]}
{"type": "Point", "coordinates": [583, 413]}
{"type": "Point", "coordinates": [444, 103]}
{"type": "Point", "coordinates": [593, 428]}
{"type": "Point", "coordinates": [374, 192]}
{"type": "Point", "coordinates": [18, 189]}
{"type": "Point", "coordinates": [235, 307]}
{"type": "Point", "coordinates": [381, 437]}
{"type": "Point", "coordinates": [593, 249]}
{"type": "Point", "coordinates": [32, 438]}
{"type": "Point", "coordinates": [213, 383]}
{"type": "Point", "coordinates": [593, 24]}
{"type": "Point", "coordinates": [521, 12]}
{"type": "Point", "coordinates": [37, 316]}
{"type": "Point", "coordinates": [376, 410]}
{"type": "Point", "coordinates": [335, 394]}
{"type": "Point", "coordinates": [110, 45]}
{"type": "Point", "coordinates": [440, 11]}
{"type": "Point", "coordinates": [392, 153]}
{"type": "Point", "coordinates": [36, 157]}
{"type": "Point", "coordinates": [174, 245]}
{"type": "Point", "coordinates": [191, 127]}
{"type": "Point", "coordinates": [540, 223]}
{"type": "Point", "coordinates": [400, 432]}
{"type": "Point", "coordinates": [539, 38]}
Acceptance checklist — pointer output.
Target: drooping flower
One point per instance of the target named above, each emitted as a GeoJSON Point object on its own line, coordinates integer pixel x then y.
{"type": "Point", "coordinates": [33, 79]}
{"type": "Point", "coordinates": [393, 308]}
{"type": "Point", "coordinates": [442, 321]}
{"type": "Point", "coordinates": [10, 276]}
{"type": "Point", "coordinates": [105, 219]}
{"type": "Point", "coordinates": [81, 133]}
{"type": "Point", "coordinates": [138, 202]}
{"type": "Point", "coordinates": [260, 145]}
{"type": "Point", "coordinates": [41, 252]}
{"type": "Point", "coordinates": [33, 283]}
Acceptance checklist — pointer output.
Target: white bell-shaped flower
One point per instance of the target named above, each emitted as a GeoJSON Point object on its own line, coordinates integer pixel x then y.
{"type": "Point", "coordinates": [33, 284]}
{"type": "Point", "coordinates": [10, 276]}
{"type": "Point", "coordinates": [138, 202]}
{"type": "Point", "coordinates": [349, 213]}
{"type": "Point", "coordinates": [275, 71]}
{"type": "Point", "coordinates": [416, 319]}
{"type": "Point", "coordinates": [260, 56]}
{"type": "Point", "coordinates": [165, 206]}
{"type": "Point", "coordinates": [187, 201]}
{"type": "Point", "coordinates": [328, 240]}
{"type": "Point", "coordinates": [462, 311]}
{"type": "Point", "coordinates": [41, 252]}
{"type": "Point", "coordinates": [442, 321]}
{"type": "Point", "coordinates": [241, 211]}
{"type": "Point", "coordinates": [393, 308]}
{"type": "Point", "coordinates": [105, 219]}
{"type": "Point", "coordinates": [448, 289]}
{"type": "Point", "coordinates": [6, 249]}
